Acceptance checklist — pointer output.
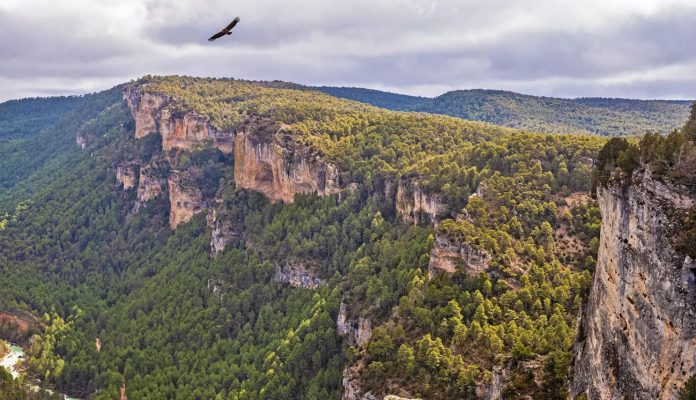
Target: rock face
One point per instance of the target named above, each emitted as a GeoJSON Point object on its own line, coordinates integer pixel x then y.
{"type": "Point", "coordinates": [358, 332]}
{"type": "Point", "coordinates": [81, 141]}
{"type": "Point", "coordinates": [637, 335]}
{"type": "Point", "coordinates": [297, 275]}
{"type": "Point", "coordinates": [153, 113]}
{"type": "Point", "coordinates": [186, 200]}
{"type": "Point", "coordinates": [222, 230]}
{"type": "Point", "coordinates": [125, 175]}
{"type": "Point", "coordinates": [413, 204]}
{"type": "Point", "coordinates": [351, 389]}
{"type": "Point", "coordinates": [149, 186]}
{"type": "Point", "coordinates": [266, 159]}
{"type": "Point", "coordinates": [448, 256]}
{"type": "Point", "coordinates": [280, 171]}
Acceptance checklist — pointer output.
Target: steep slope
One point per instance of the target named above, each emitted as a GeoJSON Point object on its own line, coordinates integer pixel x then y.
{"type": "Point", "coordinates": [255, 240]}
{"type": "Point", "coordinates": [640, 322]}
{"type": "Point", "coordinates": [608, 117]}
{"type": "Point", "coordinates": [637, 336]}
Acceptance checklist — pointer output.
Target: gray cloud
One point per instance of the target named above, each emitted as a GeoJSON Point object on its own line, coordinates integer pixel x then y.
{"type": "Point", "coordinates": [547, 47]}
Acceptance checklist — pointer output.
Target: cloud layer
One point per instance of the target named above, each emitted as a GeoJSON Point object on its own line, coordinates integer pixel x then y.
{"type": "Point", "coordinates": [615, 48]}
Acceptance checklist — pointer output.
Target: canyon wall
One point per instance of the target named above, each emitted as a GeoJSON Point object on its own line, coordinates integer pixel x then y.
{"type": "Point", "coordinates": [266, 160]}
{"type": "Point", "coordinates": [154, 112]}
{"type": "Point", "coordinates": [186, 200]}
{"type": "Point", "coordinates": [278, 170]}
{"type": "Point", "coordinates": [149, 186]}
{"type": "Point", "coordinates": [637, 334]}
{"type": "Point", "coordinates": [413, 203]}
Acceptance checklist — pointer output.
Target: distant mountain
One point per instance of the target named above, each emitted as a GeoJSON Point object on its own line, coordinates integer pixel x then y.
{"type": "Point", "coordinates": [602, 116]}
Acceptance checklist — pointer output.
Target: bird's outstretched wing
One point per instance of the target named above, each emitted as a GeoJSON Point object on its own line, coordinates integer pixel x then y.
{"type": "Point", "coordinates": [216, 36]}
{"type": "Point", "coordinates": [225, 31]}
{"type": "Point", "coordinates": [232, 24]}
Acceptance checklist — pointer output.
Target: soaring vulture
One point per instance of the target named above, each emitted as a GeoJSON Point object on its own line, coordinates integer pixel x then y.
{"type": "Point", "coordinates": [226, 31]}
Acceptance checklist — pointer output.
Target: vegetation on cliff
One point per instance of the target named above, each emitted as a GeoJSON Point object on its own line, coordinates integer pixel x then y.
{"type": "Point", "coordinates": [176, 323]}
{"type": "Point", "coordinates": [671, 157]}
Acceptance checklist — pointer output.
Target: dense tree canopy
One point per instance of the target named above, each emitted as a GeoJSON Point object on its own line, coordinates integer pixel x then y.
{"type": "Point", "coordinates": [173, 321]}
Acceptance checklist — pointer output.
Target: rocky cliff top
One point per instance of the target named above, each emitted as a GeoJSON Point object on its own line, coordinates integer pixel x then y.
{"type": "Point", "coordinates": [638, 331]}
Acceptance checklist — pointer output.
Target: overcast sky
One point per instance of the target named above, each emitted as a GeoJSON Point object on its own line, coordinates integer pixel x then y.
{"type": "Point", "coordinates": [567, 48]}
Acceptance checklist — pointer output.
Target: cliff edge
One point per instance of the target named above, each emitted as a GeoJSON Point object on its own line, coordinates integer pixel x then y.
{"type": "Point", "coordinates": [637, 336]}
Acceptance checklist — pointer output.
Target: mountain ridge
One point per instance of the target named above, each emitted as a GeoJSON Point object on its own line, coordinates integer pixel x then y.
{"type": "Point", "coordinates": [596, 115]}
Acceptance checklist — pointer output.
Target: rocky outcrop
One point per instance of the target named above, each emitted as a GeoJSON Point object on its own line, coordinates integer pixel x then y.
{"type": "Point", "coordinates": [149, 186]}
{"type": "Point", "coordinates": [155, 112]}
{"type": "Point", "coordinates": [185, 199]}
{"type": "Point", "coordinates": [125, 175]}
{"type": "Point", "coordinates": [18, 327]}
{"type": "Point", "coordinates": [414, 204]}
{"type": "Point", "coordinates": [637, 335]}
{"type": "Point", "coordinates": [215, 286]}
{"type": "Point", "coordinates": [222, 229]}
{"type": "Point", "coordinates": [448, 256]}
{"type": "Point", "coordinates": [279, 169]}
{"type": "Point", "coordinates": [358, 332]}
{"type": "Point", "coordinates": [81, 141]}
{"type": "Point", "coordinates": [267, 160]}
{"type": "Point", "coordinates": [298, 275]}
{"type": "Point", "coordinates": [351, 388]}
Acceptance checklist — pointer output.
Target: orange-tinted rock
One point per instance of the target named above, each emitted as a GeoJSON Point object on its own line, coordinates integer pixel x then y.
{"type": "Point", "coordinates": [185, 199]}
{"type": "Point", "coordinates": [280, 171]}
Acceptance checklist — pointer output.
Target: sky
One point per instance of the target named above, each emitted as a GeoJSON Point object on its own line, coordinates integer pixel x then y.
{"type": "Point", "coordinates": [562, 48]}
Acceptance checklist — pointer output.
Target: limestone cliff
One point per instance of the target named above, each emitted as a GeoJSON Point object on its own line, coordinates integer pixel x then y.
{"type": "Point", "coordinates": [154, 112]}
{"type": "Point", "coordinates": [267, 160]}
{"type": "Point", "coordinates": [637, 334]}
{"type": "Point", "coordinates": [298, 275]}
{"type": "Point", "coordinates": [125, 175]}
{"type": "Point", "coordinates": [448, 256]}
{"type": "Point", "coordinates": [358, 331]}
{"type": "Point", "coordinates": [413, 203]}
{"type": "Point", "coordinates": [186, 200]}
{"type": "Point", "coordinates": [274, 166]}
{"type": "Point", "coordinates": [149, 186]}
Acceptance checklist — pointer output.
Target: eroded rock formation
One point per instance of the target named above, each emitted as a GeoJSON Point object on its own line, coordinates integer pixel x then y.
{"type": "Point", "coordinates": [149, 186]}
{"type": "Point", "coordinates": [279, 169]}
{"type": "Point", "coordinates": [81, 141]}
{"type": "Point", "coordinates": [125, 175]}
{"type": "Point", "coordinates": [186, 200]}
{"type": "Point", "coordinates": [413, 203]}
{"type": "Point", "coordinates": [153, 112]}
{"type": "Point", "coordinates": [637, 335]}
{"type": "Point", "coordinates": [448, 256]}
{"type": "Point", "coordinates": [298, 275]}
{"type": "Point", "coordinates": [358, 332]}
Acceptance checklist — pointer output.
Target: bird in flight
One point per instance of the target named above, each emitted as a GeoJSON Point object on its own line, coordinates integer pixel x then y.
{"type": "Point", "coordinates": [226, 31]}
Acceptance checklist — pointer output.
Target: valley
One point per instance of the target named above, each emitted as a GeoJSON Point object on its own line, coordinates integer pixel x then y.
{"type": "Point", "coordinates": [223, 238]}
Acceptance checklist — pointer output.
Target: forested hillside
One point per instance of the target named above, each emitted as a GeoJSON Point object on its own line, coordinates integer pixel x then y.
{"type": "Point", "coordinates": [602, 116]}
{"type": "Point", "coordinates": [390, 298]}
{"type": "Point", "coordinates": [23, 118]}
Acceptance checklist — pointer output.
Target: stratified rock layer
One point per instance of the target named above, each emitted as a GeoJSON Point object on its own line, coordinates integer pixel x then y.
{"type": "Point", "coordinates": [186, 200]}
{"type": "Point", "coordinates": [414, 204]}
{"type": "Point", "coordinates": [278, 169]}
{"type": "Point", "coordinates": [153, 112]}
{"type": "Point", "coordinates": [637, 338]}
